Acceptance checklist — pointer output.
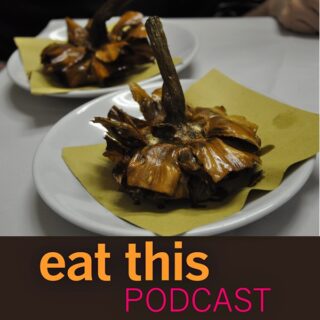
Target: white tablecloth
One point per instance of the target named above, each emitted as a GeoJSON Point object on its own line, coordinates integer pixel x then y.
{"type": "Point", "coordinates": [253, 51]}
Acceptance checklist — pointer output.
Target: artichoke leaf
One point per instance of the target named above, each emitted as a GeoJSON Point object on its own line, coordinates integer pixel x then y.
{"type": "Point", "coordinates": [77, 35]}
{"type": "Point", "coordinates": [137, 32]}
{"type": "Point", "coordinates": [128, 19]}
{"type": "Point", "coordinates": [119, 115]}
{"type": "Point", "coordinates": [155, 168]}
{"type": "Point", "coordinates": [110, 52]}
{"type": "Point", "coordinates": [216, 123]}
{"type": "Point", "coordinates": [151, 110]}
{"type": "Point", "coordinates": [125, 133]}
{"type": "Point", "coordinates": [219, 159]}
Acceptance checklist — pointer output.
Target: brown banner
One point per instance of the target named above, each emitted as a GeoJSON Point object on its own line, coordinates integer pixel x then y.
{"type": "Point", "coordinates": [166, 278]}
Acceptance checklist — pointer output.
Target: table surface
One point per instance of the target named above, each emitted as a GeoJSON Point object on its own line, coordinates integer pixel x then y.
{"type": "Point", "coordinates": [253, 51]}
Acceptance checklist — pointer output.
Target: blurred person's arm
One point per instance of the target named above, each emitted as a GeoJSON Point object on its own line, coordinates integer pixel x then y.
{"type": "Point", "coordinates": [297, 15]}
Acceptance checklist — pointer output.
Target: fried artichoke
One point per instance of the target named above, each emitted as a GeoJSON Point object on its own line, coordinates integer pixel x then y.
{"type": "Point", "coordinates": [178, 152]}
{"type": "Point", "coordinates": [94, 55]}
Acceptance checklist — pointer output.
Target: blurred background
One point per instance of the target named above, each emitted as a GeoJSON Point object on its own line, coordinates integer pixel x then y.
{"type": "Point", "coordinates": [28, 18]}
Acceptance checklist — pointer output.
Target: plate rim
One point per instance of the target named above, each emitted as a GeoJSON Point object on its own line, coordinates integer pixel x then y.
{"type": "Point", "coordinates": [15, 58]}
{"type": "Point", "coordinates": [232, 222]}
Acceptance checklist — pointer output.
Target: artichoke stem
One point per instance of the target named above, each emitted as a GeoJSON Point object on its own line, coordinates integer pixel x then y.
{"type": "Point", "coordinates": [173, 99]}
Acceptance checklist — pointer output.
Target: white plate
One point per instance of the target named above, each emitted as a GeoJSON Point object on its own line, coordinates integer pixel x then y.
{"type": "Point", "coordinates": [181, 41]}
{"type": "Point", "coordinates": [64, 194]}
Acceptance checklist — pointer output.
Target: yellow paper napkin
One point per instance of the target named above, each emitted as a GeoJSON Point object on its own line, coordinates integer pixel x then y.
{"type": "Point", "coordinates": [30, 51]}
{"type": "Point", "coordinates": [292, 132]}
